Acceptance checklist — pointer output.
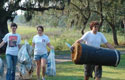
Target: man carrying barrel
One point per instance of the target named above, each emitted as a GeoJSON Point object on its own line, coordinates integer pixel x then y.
{"type": "Point", "coordinates": [95, 39]}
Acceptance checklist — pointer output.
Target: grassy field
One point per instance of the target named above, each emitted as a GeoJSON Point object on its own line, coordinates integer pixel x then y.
{"type": "Point", "coordinates": [70, 71]}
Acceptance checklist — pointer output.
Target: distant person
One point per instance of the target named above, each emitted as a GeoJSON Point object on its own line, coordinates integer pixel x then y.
{"type": "Point", "coordinates": [13, 43]}
{"type": "Point", "coordinates": [40, 43]}
{"type": "Point", "coordinates": [94, 38]}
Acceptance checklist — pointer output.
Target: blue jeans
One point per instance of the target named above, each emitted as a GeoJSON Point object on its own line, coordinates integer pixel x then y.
{"type": "Point", "coordinates": [11, 67]}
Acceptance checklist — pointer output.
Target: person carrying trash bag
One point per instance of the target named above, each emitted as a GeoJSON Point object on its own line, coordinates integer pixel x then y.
{"type": "Point", "coordinates": [25, 61]}
{"type": "Point", "coordinates": [95, 39]}
{"type": "Point", "coordinates": [13, 43]}
{"type": "Point", "coordinates": [40, 43]}
{"type": "Point", "coordinates": [51, 66]}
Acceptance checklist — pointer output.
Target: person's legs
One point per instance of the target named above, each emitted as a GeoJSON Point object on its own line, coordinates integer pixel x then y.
{"type": "Point", "coordinates": [86, 77]}
{"type": "Point", "coordinates": [98, 72]}
{"type": "Point", "coordinates": [9, 65]}
{"type": "Point", "coordinates": [38, 68]}
{"type": "Point", "coordinates": [97, 78]}
{"type": "Point", "coordinates": [88, 69]}
{"type": "Point", "coordinates": [43, 61]}
{"type": "Point", "coordinates": [14, 61]}
{"type": "Point", "coordinates": [37, 59]}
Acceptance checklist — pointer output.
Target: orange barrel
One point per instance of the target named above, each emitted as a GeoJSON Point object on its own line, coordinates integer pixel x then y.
{"type": "Point", "coordinates": [85, 54]}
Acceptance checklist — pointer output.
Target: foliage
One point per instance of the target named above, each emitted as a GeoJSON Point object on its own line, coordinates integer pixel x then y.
{"type": "Point", "coordinates": [10, 6]}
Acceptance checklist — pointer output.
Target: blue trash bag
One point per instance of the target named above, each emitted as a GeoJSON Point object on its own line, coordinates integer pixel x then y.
{"type": "Point", "coordinates": [51, 66]}
{"type": "Point", "coordinates": [23, 54]}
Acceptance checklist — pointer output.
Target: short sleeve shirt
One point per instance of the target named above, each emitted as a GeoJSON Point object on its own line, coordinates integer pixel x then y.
{"type": "Point", "coordinates": [40, 44]}
{"type": "Point", "coordinates": [12, 40]}
{"type": "Point", "coordinates": [94, 39]}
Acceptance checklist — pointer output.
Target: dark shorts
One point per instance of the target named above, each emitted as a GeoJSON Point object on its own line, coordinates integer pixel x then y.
{"type": "Point", "coordinates": [89, 69]}
{"type": "Point", "coordinates": [38, 57]}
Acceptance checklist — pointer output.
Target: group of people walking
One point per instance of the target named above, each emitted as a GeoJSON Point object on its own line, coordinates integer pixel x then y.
{"type": "Point", "coordinates": [40, 43]}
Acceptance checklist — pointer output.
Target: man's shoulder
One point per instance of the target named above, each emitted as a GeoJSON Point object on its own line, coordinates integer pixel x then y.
{"type": "Point", "coordinates": [88, 32]}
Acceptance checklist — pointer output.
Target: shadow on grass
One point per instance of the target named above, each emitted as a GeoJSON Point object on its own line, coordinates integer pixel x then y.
{"type": "Point", "coordinates": [73, 78]}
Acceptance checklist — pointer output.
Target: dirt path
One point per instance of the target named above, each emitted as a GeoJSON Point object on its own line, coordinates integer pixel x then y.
{"type": "Point", "coordinates": [63, 58]}
{"type": "Point", "coordinates": [122, 52]}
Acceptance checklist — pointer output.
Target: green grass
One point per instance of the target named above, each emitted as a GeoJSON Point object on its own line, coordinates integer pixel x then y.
{"type": "Point", "coordinates": [121, 38]}
{"type": "Point", "coordinates": [70, 71]}
{"type": "Point", "coordinates": [62, 52]}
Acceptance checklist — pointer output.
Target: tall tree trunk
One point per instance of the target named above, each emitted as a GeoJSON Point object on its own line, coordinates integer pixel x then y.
{"type": "Point", "coordinates": [101, 15]}
{"type": "Point", "coordinates": [72, 23]}
{"type": "Point", "coordinates": [114, 34]}
{"type": "Point", "coordinates": [3, 31]}
{"type": "Point", "coordinates": [84, 26]}
{"type": "Point", "coordinates": [86, 17]}
{"type": "Point", "coordinates": [85, 22]}
{"type": "Point", "coordinates": [113, 31]}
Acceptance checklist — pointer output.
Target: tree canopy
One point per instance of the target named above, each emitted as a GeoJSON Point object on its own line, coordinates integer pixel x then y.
{"type": "Point", "coordinates": [77, 13]}
{"type": "Point", "coordinates": [8, 10]}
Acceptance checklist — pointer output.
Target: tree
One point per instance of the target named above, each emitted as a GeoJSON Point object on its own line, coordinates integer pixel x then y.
{"type": "Point", "coordinates": [113, 13]}
{"type": "Point", "coordinates": [79, 11]}
{"type": "Point", "coordinates": [8, 10]}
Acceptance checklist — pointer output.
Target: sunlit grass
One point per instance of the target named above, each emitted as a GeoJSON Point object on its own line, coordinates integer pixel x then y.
{"type": "Point", "coordinates": [70, 71]}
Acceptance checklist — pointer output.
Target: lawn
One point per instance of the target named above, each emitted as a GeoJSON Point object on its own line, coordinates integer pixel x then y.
{"type": "Point", "coordinates": [70, 71]}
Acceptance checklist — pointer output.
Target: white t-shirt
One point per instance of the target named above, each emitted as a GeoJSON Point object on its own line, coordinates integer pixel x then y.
{"type": "Point", "coordinates": [40, 44]}
{"type": "Point", "coordinates": [12, 40]}
{"type": "Point", "coordinates": [94, 39]}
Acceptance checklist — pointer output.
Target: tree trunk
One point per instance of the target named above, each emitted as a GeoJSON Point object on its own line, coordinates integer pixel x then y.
{"type": "Point", "coordinates": [84, 23]}
{"type": "Point", "coordinates": [86, 18]}
{"type": "Point", "coordinates": [84, 26]}
{"type": "Point", "coordinates": [114, 34]}
{"type": "Point", "coordinates": [3, 31]}
{"type": "Point", "coordinates": [113, 31]}
{"type": "Point", "coordinates": [72, 23]}
{"type": "Point", "coordinates": [101, 15]}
